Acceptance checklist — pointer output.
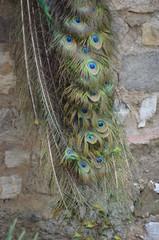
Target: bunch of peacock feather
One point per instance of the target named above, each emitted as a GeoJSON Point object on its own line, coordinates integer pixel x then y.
{"type": "Point", "coordinates": [68, 52]}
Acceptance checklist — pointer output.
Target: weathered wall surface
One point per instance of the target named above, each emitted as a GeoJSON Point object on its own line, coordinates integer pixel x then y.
{"type": "Point", "coordinates": [23, 193]}
{"type": "Point", "coordinates": [137, 25]}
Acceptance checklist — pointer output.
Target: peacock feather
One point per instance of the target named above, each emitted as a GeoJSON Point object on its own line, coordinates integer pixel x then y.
{"type": "Point", "coordinates": [68, 54]}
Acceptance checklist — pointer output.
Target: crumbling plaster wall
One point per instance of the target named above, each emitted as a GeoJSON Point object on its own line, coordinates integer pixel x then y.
{"type": "Point", "coordinates": [137, 26]}
{"type": "Point", "coordinates": [22, 193]}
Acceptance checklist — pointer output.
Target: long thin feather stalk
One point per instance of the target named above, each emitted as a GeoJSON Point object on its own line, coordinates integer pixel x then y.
{"type": "Point", "coordinates": [54, 121]}
{"type": "Point", "coordinates": [52, 162]}
{"type": "Point", "coordinates": [26, 61]}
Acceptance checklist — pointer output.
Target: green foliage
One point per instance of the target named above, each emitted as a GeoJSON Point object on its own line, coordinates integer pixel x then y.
{"type": "Point", "coordinates": [10, 234]}
{"type": "Point", "coordinates": [128, 218]}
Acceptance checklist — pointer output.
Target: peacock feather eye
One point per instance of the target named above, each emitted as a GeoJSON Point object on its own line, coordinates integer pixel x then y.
{"type": "Point", "coordinates": [92, 65]}
{"type": "Point", "coordinates": [83, 165]}
{"type": "Point", "coordinates": [93, 95]}
{"type": "Point", "coordinates": [84, 110]}
{"type": "Point", "coordinates": [86, 113]}
{"type": "Point", "coordinates": [90, 137]}
{"type": "Point", "coordinates": [48, 4]}
{"type": "Point", "coordinates": [109, 86]}
{"type": "Point", "coordinates": [68, 39]}
{"type": "Point", "coordinates": [106, 82]}
{"type": "Point", "coordinates": [99, 163]}
{"type": "Point", "coordinates": [77, 20]}
{"type": "Point", "coordinates": [92, 92]}
{"type": "Point", "coordinates": [93, 68]}
{"type": "Point", "coordinates": [69, 152]}
{"type": "Point", "coordinates": [106, 149]}
{"type": "Point", "coordinates": [101, 124]}
{"type": "Point", "coordinates": [93, 11]}
{"type": "Point", "coordinates": [85, 50]}
{"type": "Point", "coordinates": [68, 43]}
{"type": "Point", "coordinates": [76, 117]}
{"type": "Point", "coordinates": [78, 23]}
{"type": "Point", "coordinates": [106, 146]}
{"type": "Point", "coordinates": [99, 160]}
{"type": "Point", "coordinates": [96, 41]}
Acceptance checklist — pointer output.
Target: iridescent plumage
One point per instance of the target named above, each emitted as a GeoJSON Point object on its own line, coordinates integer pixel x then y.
{"type": "Point", "coordinates": [71, 53]}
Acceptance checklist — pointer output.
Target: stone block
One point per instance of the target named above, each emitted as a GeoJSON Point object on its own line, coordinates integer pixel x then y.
{"type": "Point", "coordinates": [122, 110]}
{"type": "Point", "coordinates": [156, 188]}
{"type": "Point", "coordinates": [143, 6]}
{"type": "Point", "coordinates": [6, 117]}
{"type": "Point", "coordinates": [136, 19]}
{"type": "Point", "coordinates": [148, 203]}
{"type": "Point", "coordinates": [7, 79]}
{"type": "Point", "coordinates": [150, 34]}
{"type": "Point", "coordinates": [147, 110]}
{"type": "Point", "coordinates": [140, 71]}
{"type": "Point", "coordinates": [152, 229]}
{"type": "Point", "coordinates": [10, 186]}
{"type": "Point", "coordinates": [120, 27]}
{"type": "Point", "coordinates": [16, 157]}
{"type": "Point", "coordinates": [144, 136]}
{"type": "Point", "coordinates": [4, 30]}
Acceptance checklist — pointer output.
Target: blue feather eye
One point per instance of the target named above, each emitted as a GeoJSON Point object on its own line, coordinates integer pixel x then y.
{"type": "Point", "coordinates": [92, 93]}
{"type": "Point", "coordinates": [68, 44]}
{"type": "Point", "coordinates": [92, 65]}
{"type": "Point", "coordinates": [99, 160]}
{"type": "Point", "coordinates": [68, 39]}
{"type": "Point", "coordinates": [102, 127]}
{"type": "Point", "coordinates": [48, 4]}
{"type": "Point", "coordinates": [86, 113]}
{"type": "Point", "coordinates": [85, 50]}
{"type": "Point", "coordinates": [70, 155]}
{"type": "Point", "coordinates": [106, 82]}
{"type": "Point", "coordinates": [83, 165]}
{"type": "Point", "coordinates": [94, 9]}
{"type": "Point", "coordinates": [100, 124]}
{"type": "Point", "coordinates": [77, 20]}
{"type": "Point", "coordinates": [95, 39]}
{"type": "Point", "coordinates": [77, 23]}
{"type": "Point", "coordinates": [76, 118]}
{"type": "Point", "coordinates": [84, 110]}
{"type": "Point", "coordinates": [106, 146]}
{"type": "Point", "coordinates": [93, 68]}
{"type": "Point", "coordinates": [109, 86]}
{"type": "Point", "coordinates": [69, 152]}
{"type": "Point", "coordinates": [90, 137]}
